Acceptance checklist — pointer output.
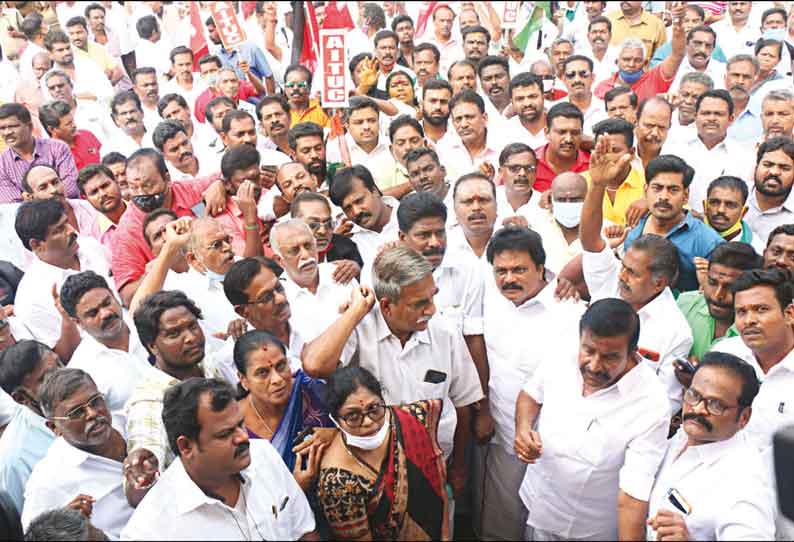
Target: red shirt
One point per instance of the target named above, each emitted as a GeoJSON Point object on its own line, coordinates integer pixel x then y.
{"type": "Point", "coordinates": [245, 91]}
{"type": "Point", "coordinates": [232, 221]}
{"type": "Point", "coordinates": [85, 149]}
{"type": "Point", "coordinates": [650, 84]}
{"type": "Point", "coordinates": [130, 253]}
{"type": "Point", "coordinates": [544, 174]}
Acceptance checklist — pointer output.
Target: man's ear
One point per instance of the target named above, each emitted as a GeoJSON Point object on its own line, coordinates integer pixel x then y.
{"type": "Point", "coordinates": [54, 428]}
{"type": "Point", "coordinates": [35, 245]}
{"type": "Point", "coordinates": [185, 446]}
{"type": "Point", "coordinates": [241, 310]}
{"type": "Point", "coordinates": [401, 236]}
{"type": "Point", "coordinates": [385, 306]}
{"type": "Point", "coordinates": [279, 260]}
{"type": "Point", "coordinates": [20, 397]}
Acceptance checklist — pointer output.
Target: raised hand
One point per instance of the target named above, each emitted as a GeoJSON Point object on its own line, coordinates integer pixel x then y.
{"type": "Point", "coordinates": [605, 164]}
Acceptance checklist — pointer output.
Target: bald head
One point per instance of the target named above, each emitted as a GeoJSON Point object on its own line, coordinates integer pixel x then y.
{"type": "Point", "coordinates": [209, 247]}
{"type": "Point", "coordinates": [41, 63]}
{"type": "Point", "coordinates": [42, 182]}
{"type": "Point", "coordinates": [200, 230]}
{"type": "Point", "coordinates": [568, 186]}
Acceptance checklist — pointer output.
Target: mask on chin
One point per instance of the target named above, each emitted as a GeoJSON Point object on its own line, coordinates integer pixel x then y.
{"type": "Point", "coordinates": [150, 202]}
{"type": "Point", "coordinates": [630, 77]}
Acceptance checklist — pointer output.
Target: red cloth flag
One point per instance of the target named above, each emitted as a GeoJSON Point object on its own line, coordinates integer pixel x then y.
{"type": "Point", "coordinates": [337, 15]}
{"type": "Point", "coordinates": [308, 42]}
{"type": "Point", "coordinates": [425, 12]}
{"type": "Point", "coordinates": [198, 43]}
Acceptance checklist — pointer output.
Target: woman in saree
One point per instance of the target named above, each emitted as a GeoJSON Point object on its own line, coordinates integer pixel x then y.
{"type": "Point", "coordinates": [382, 477]}
{"type": "Point", "coordinates": [283, 407]}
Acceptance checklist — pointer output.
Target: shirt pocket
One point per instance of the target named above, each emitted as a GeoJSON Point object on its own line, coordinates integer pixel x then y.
{"type": "Point", "coordinates": [594, 441]}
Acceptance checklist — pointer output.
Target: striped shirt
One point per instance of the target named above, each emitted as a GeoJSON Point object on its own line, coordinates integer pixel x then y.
{"type": "Point", "coordinates": [47, 152]}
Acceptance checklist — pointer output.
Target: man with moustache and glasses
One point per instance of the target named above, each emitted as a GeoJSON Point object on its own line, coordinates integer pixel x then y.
{"type": "Point", "coordinates": [230, 487]}
{"type": "Point", "coordinates": [578, 77]}
{"type": "Point", "coordinates": [435, 110]}
{"type": "Point", "coordinates": [529, 122]}
{"type": "Point", "coordinates": [83, 469]}
{"type": "Point", "coordinates": [770, 203]}
{"type": "Point", "coordinates": [517, 166]}
{"type": "Point", "coordinates": [110, 350]}
{"type": "Point", "coordinates": [713, 485]}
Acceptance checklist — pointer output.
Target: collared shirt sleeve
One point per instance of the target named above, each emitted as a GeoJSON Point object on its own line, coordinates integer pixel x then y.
{"type": "Point", "coordinates": [145, 425]}
{"type": "Point", "coordinates": [10, 191]}
{"type": "Point", "coordinates": [63, 163]}
{"type": "Point", "coordinates": [465, 387]}
{"type": "Point", "coordinates": [128, 257]}
{"type": "Point", "coordinates": [644, 454]}
{"type": "Point", "coordinates": [260, 62]}
{"type": "Point", "coordinates": [750, 517]}
{"type": "Point", "coordinates": [534, 387]}
{"type": "Point", "coordinates": [599, 268]}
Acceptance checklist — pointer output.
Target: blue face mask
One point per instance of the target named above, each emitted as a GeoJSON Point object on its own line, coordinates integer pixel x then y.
{"type": "Point", "coordinates": [777, 34]}
{"type": "Point", "coordinates": [630, 77]}
{"type": "Point", "coordinates": [213, 276]}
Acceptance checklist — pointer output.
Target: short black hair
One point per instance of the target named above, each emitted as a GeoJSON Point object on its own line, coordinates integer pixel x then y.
{"type": "Point", "coordinates": [404, 120]}
{"type": "Point", "coordinates": [147, 26]}
{"type": "Point", "coordinates": [780, 143]}
{"type": "Point", "coordinates": [51, 113]}
{"type": "Point", "coordinates": [730, 182]}
{"type": "Point", "coordinates": [578, 58]}
{"type": "Point", "coordinates": [53, 37]}
{"type": "Point", "coordinates": [208, 111]}
{"type": "Point", "coordinates": [306, 196]}
{"type": "Point", "coordinates": [515, 148]}
{"type": "Point", "coordinates": [437, 84]}
{"type": "Point", "coordinates": [476, 29]}
{"type": "Point", "coordinates": [418, 205]}
{"type": "Point", "coordinates": [122, 98]}
{"type": "Point", "coordinates": [669, 163]}
{"type": "Point", "coordinates": [166, 100]}
{"type": "Point", "coordinates": [342, 185]}
{"type": "Point", "coordinates": [14, 109]}
{"type": "Point", "coordinates": [357, 103]}
{"type": "Point", "coordinates": [524, 79]}
{"type": "Point", "coordinates": [777, 279]}
{"type": "Point", "coordinates": [600, 20]}
{"type": "Point", "coordinates": [462, 62]}
{"type": "Point", "coordinates": [304, 129]}
{"type": "Point", "coordinates": [300, 68]}
{"type": "Point", "coordinates": [240, 275]}
{"type": "Point", "coordinates": [147, 315]}
{"type": "Point", "coordinates": [467, 96]}
{"type": "Point", "coordinates": [18, 361]}
{"type": "Point", "coordinates": [476, 175]}
{"type": "Point", "coordinates": [181, 405]}
{"type": "Point", "coordinates": [356, 60]}
{"type": "Point", "coordinates": [783, 229]}
{"type": "Point", "coordinates": [114, 158]}
{"type": "Point", "coordinates": [701, 28]}
{"type": "Point", "coordinates": [374, 15]}
{"type": "Point", "coordinates": [718, 93]}
{"type": "Point", "coordinates": [773, 11]}
{"type": "Point", "coordinates": [76, 286]}
{"type": "Point", "coordinates": [77, 20]}
{"type": "Point", "coordinates": [517, 238]}
{"type": "Point", "coordinates": [736, 255]}
{"type": "Point", "coordinates": [89, 172]}
{"type": "Point", "coordinates": [612, 317]}
{"type": "Point", "coordinates": [153, 156]}
{"type": "Point", "coordinates": [564, 110]}
{"type": "Point", "coordinates": [426, 46]}
{"type": "Point", "coordinates": [613, 126]}
{"type": "Point", "coordinates": [31, 25]}
{"type": "Point", "coordinates": [275, 99]}
{"type": "Point", "coordinates": [619, 91]}
{"type": "Point", "coordinates": [35, 217]}
{"type": "Point", "coordinates": [384, 35]}
{"type": "Point", "coordinates": [59, 524]}
{"type": "Point", "coordinates": [238, 158]}
{"type": "Point", "coordinates": [401, 19]}
{"type": "Point", "coordinates": [697, 9]}
{"type": "Point", "coordinates": [233, 115]}
{"type": "Point", "coordinates": [492, 60]}
{"type": "Point", "coordinates": [740, 368]}
{"type": "Point", "coordinates": [180, 50]}
{"type": "Point", "coordinates": [151, 217]}
{"type": "Point", "coordinates": [764, 42]}
{"type": "Point", "coordinates": [345, 381]}
{"type": "Point", "coordinates": [166, 130]}
{"type": "Point", "coordinates": [415, 154]}
{"type": "Point", "coordinates": [92, 7]}
{"type": "Point", "coordinates": [663, 255]}
{"type": "Point", "coordinates": [206, 59]}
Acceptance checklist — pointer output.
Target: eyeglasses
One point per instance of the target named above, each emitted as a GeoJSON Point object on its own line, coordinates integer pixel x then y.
{"type": "Point", "coordinates": [96, 402]}
{"type": "Point", "coordinates": [301, 84]}
{"type": "Point", "coordinates": [356, 418]}
{"type": "Point", "coordinates": [327, 224]}
{"type": "Point", "coordinates": [268, 296]}
{"type": "Point", "coordinates": [714, 407]}
{"type": "Point", "coordinates": [515, 169]}
{"type": "Point", "coordinates": [584, 74]}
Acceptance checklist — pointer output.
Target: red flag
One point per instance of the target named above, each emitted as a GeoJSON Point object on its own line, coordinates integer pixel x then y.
{"type": "Point", "coordinates": [337, 15]}
{"type": "Point", "coordinates": [425, 12]}
{"type": "Point", "coordinates": [198, 43]}
{"type": "Point", "coordinates": [310, 50]}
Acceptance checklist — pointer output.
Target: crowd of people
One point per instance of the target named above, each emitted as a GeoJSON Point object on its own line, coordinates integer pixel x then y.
{"type": "Point", "coordinates": [533, 282]}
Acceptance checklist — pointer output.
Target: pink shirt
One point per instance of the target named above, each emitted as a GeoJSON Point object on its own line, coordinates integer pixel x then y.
{"type": "Point", "coordinates": [233, 223]}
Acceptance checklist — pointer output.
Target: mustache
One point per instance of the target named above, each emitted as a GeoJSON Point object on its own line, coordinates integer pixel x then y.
{"type": "Point", "coordinates": [241, 449]}
{"type": "Point", "coordinates": [601, 377]}
{"type": "Point", "coordinates": [306, 263]}
{"type": "Point", "coordinates": [110, 320]}
{"type": "Point", "coordinates": [186, 155]}
{"type": "Point", "coordinates": [276, 125]}
{"type": "Point", "coordinates": [361, 217]}
{"type": "Point", "coordinates": [475, 216]}
{"type": "Point", "coordinates": [772, 177]}
{"type": "Point", "coordinates": [699, 419]}
{"type": "Point", "coordinates": [433, 252]}
{"type": "Point", "coordinates": [512, 286]}
{"type": "Point", "coordinates": [99, 420]}
{"type": "Point", "coordinates": [624, 286]}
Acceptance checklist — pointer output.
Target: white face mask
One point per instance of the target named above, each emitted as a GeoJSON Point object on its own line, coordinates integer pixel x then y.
{"type": "Point", "coordinates": [777, 34]}
{"type": "Point", "coordinates": [568, 213]}
{"type": "Point", "coordinates": [366, 443]}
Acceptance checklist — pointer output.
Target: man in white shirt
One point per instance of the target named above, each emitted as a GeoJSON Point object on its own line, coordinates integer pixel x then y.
{"type": "Point", "coordinates": [173, 106]}
{"type": "Point", "coordinates": [373, 216]}
{"type": "Point", "coordinates": [602, 419]}
{"type": "Point", "coordinates": [771, 203]}
{"type": "Point", "coordinates": [184, 82]}
{"type": "Point", "coordinates": [604, 57]}
{"type": "Point", "coordinates": [153, 48]}
{"type": "Point", "coordinates": [578, 77]}
{"type": "Point", "coordinates": [713, 484]}
{"type": "Point", "coordinates": [700, 42]}
{"type": "Point", "coordinates": [692, 86]}
{"type": "Point", "coordinates": [413, 355]}
{"type": "Point", "coordinates": [709, 150]}
{"type": "Point", "coordinates": [529, 122]}
{"type": "Point", "coordinates": [83, 468]}
{"type": "Point", "coordinates": [171, 138]}
{"type": "Point", "coordinates": [426, 174]}
{"type": "Point", "coordinates": [643, 278]}
{"type": "Point", "coordinates": [313, 293]}
{"type": "Point", "coordinates": [737, 33]}
{"type": "Point", "coordinates": [494, 74]}
{"type": "Point", "coordinates": [44, 229]}
{"type": "Point", "coordinates": [110, 350]}
{"type": "Point", "coordinates": [131, 135]}
{"type": "Point", "coordinates": [475, 208]}
{"type": "Point", "coordinates": [435, 110]}
{"type": "Point", "coordinates": [90, 82]}
{"type": "Point", "coordinates": [520, 292]}
{"type": "Point", "coordinates": [221, 486]}
{"type": "Point", "coordinates": [442, 38]}
{"type": "Point", "coordinates": [386, 48]}
{"type": "Point", "coordinates": [517, 167]}
{"type": "Point", "coordinates": [147, 89]}
{"type": "Point", "coordinates": [88, 114]}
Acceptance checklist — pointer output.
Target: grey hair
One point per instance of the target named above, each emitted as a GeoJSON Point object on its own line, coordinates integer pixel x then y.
{"type": "Point", "coordinates": [58, 524]}
{"type": "Point", "coordinates": [291, 224]}
{"type": "Point", "coordinates": [779, 95]}
{"type": "Point", "coordinates": [194, 241]}
{"type": "Point", "coordinates": [59, 73]}
{"type": "Point", "coordinates": [744, 58]}
{"type": "Point", "coordinates": [560, 41]}
{"type": "Point", "coordinates": [396, 267]}
{"type": "Point", "coordinates": [698, 78]}
{"type": "Point", "coordinates": [632, 43]}
{"type": "Point", "coordinates": [59, 385]}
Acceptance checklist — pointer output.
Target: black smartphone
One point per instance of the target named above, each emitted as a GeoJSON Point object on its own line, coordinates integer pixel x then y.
{"type": "Point", "coordinates": [685, 366]}
{"type": "Point", "coordinates": [435, 377]}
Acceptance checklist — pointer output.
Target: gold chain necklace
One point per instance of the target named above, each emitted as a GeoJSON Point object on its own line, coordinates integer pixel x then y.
{"type": "Point", "coordinates": [258, 415]}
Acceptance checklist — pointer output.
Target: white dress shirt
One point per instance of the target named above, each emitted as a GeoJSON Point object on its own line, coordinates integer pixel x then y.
{"type": "Point", "coordinates": [92, 116]}
{"type": "Point", "coordinates": [456, 158]}
{"type": "Point", "coordinates": [379, 161]}
{"type": "Point", "coordinates": [121, 142]}
{"type": "Point", "coordinates": [663, 329]}
{"type": "Point", "coordinates": [763, 222]}
{"type": "Point", "coordinates": [154, 55]}
{"type": "Point", "coordinates": [172, 87]}
{"type": "Point", "coordinates": [115, 372]}
{"type": "Point", "coordinates": [733, 42]}
{"type": "Point", "coordinates": [729, 157]}
{"type": "Point", "coordinates": [208, 295]}
{"type": "Point", "coordinates": [369, 242]}
{"type": "Point", "coordinates": [592, 116]}
{"type": "Point", "coordinates": [725, 483]}
{"type": "Point", "coordinates": [314, 313]}
{"type": "Point", "coordinates": [177, 508]}
{"type": "Point", "coordinates": [456, 241]}
{"type": "Point", "coordinates": [461, 287]}
{"type": "Point", "coordinates": [403, 370]}
{"type": "Point", "coordinates": [514, 357]}
{"type": "Point", "coordinates": [714, 69]}
{"type": "Point", "coordinates": [90, 79]}
{"type": "Point", "coordinates": [34, 305]}
{"type": "Point", "coordinates": [515, 131]}
{"type": "Point", "coordinates": [66, 472]}
{"type": "Point", "coordinates": [613, 439]}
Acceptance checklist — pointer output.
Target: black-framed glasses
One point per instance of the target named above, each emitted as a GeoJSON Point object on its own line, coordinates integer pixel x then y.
{"type": "Point", "coordinates": [515, 169]}
{"type": "Point", "coordinates": [356, 418]}
{"type": "Point", "coordinates": [584, 74]}
{"type": "Point", "coordinates": [268, 296]}
{"type": "Point", "coordinates": [96, 402]}
{"type": "Point", "coordinates": [315, 226]}
{"type": "Point", "coordinates": [715, 407]}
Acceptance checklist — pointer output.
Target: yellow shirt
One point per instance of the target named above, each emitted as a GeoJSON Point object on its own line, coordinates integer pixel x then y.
{"type": "Point", "coordinates": [632, 189]}
{"type": "Point", "coordinates": [97, 53]}
{"type": "Point", "coordinates": [314, 114]}
{"type": "Point", "coordinates": [650, 29]}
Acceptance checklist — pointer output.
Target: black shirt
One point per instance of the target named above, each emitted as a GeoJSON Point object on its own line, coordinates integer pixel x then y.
{"type": "Point", "coordinates": [343, 248]}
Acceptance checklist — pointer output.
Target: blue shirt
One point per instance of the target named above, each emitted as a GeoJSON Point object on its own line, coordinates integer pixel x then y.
{"type": "Point", "coordinates": [667, 48]}
{"type": "Point", "coordinates": [746, 127]}
{"type": "Point", "coordinates": [250, 52]}
{"type": "Point", "coordinates": [692, 238]}
{"type": "Point", "coordinates": [23, 444]}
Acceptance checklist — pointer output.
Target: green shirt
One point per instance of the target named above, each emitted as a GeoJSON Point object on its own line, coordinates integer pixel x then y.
{"type": "Point", "coordinates": [696, 311]}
